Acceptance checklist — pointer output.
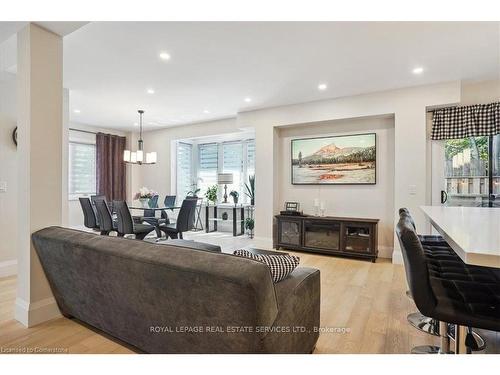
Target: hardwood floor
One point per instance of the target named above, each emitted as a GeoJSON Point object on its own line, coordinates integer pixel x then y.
{"type": "Point", "coordinates": [364, 301]}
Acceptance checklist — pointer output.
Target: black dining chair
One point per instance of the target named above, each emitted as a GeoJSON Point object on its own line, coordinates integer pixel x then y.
{"type": "Point", "coordinates": [169, 201]}
{"type": "Point", "coordinates": [106, 223]}
{"type": "Point", "coordinates": [93, 198]}
{"type": "Point", "coordinates": [89, 216]}
{"type": "Point", "coordinates": [150, 215]}
{"type": "Point", "coordinates": [185, 220]}
{"type": "Point", "coordinates": [125, 224]}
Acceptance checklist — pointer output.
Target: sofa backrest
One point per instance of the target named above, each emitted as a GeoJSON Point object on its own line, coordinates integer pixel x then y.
{"type": "Point", "coordinates": [156, 296]}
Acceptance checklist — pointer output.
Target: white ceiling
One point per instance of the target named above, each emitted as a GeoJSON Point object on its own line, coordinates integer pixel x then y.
{"type": "Point", "coordinates": [7, 28]}
{"type": "Point", "coordinates": [108, 66]}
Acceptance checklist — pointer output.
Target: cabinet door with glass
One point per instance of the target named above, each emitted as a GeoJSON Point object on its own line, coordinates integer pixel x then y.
{"type": "Point", "coordinates": [290, 232]}
{"type": "Point", "coordinates": [358, 237]}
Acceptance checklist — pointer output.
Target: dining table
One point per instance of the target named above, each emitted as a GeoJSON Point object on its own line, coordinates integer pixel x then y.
{"type": "Point", "coordinates": [472, 232]}
{"type": "Point", "coordinates": [138, 206]}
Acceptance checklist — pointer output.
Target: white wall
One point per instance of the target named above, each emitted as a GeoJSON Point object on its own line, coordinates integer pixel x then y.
{"type": "Point", "coordinates": [8, 175]}
{"type": "Point", "coordinates": [367, 201]}
{"type": "Point", "coordinates": [480, 92]}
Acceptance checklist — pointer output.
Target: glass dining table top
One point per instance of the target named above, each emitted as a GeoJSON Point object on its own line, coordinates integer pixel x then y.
{"type": "Point", "coordinates": [135, 205]}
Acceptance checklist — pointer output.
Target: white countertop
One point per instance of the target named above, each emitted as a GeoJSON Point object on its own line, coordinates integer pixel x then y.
{"type": "Point", "coordinates": [472, 232]}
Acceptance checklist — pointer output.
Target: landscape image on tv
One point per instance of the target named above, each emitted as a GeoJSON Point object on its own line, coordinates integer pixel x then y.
{"type": "Point", "coordinates": [349, 159]}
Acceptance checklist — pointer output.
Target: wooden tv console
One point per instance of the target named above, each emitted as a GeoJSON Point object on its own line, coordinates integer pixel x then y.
{"type": "Point", "coordinates": [345, 236]}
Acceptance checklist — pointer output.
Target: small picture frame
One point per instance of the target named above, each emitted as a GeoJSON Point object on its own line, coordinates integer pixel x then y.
{"type": "Point", "coordinates": [292, 206]}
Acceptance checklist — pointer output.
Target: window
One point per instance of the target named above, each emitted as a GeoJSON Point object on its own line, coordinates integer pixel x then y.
{"type": "Point", "coordinates": [236, 157]}
{"type": "Point", "coordinates": [232, 162]}
{"type": "Point", "coordinates": [184, 169]}
{"type": "Point", "coordinates": [250, 158]}
{"type": "Point", "coordinates": [82, 169]}
{"type": "Point", "coordinates": [472, 171]}
{"type": "Point", "coordinates": [208, 160]}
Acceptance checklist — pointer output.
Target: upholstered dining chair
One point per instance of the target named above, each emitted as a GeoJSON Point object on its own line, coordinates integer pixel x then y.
{"type": "Point", "coordinates": [126, 225]}
{"type": "Point", "coordinates": [89, 216]}
{"type": "Point", "coordinates": [185, 220]}
{"type": "Point", "coordinates": [168, 202]}
{"type": "Point", "coordinates": [150, 215]}
{"type": "Point", "coordinates": [93, 198]}
{"type": "Point", "coordinates": [106, 223]}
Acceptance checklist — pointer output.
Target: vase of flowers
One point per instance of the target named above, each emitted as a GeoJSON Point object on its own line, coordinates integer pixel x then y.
{"type": "Point", "coordinates": [144, 195]}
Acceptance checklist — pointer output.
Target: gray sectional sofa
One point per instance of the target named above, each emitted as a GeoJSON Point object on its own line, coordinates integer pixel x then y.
{"type": "Point", "coordinates": [173, 299]}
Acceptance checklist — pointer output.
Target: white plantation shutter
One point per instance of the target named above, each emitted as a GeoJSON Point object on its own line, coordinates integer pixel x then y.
{"type": "Point", "coordinates": [250, 158]}
{"type": "Point", "coordinates": [207, 166]}
{"type": "Point", "coordinates": [184, 170]}
{"type": "Point", "coordinates": [233, 163]}
{"type": "Point", "coordinates": [82, 169]}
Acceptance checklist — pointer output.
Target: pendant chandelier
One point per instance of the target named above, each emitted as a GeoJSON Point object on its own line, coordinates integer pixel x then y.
{"type": "Point", "coordinates": [137, 157]}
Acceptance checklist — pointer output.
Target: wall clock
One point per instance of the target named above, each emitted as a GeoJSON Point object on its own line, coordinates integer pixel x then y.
{"type": "Point", "coordinates": [14, 136]}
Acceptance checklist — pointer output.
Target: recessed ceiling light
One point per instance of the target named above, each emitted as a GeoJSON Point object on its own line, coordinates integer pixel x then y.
{"type": "Point", "coordinates": [164, 56]}
{"type": "Point", "coordinates": [418, 70]}
{"type": "Point", "coordinates": [151, 91]}
{"type": "Point", "coordinates": [322, 86]}
{"type": "Point", "coordinates": [76, 111]}
{"type": "Point", "coordinates": [248, 100]}
{"type": "Point", "coordinates": [206, 111]}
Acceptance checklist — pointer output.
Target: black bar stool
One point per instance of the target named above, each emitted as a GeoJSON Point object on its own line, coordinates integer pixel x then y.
{"type": "Point", "coordinates": [447, 292]}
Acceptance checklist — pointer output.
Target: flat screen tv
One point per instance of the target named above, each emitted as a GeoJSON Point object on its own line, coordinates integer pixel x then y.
{"type": "Point", "coordinates": [335, 160]}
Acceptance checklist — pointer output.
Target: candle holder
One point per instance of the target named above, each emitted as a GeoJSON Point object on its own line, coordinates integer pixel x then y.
{"type": "Point", "coordinates": [316, 207]}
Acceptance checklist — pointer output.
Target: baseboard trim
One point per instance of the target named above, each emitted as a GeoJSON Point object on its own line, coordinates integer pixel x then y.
{"type": "Point", "coordinates": [31, 314]}
{"type": "Point", "coordinates": [385, 252]}
{"type": "Point", "coordinates": [397, 257]}
{"type": "Point", "coordinates": [8, 268]}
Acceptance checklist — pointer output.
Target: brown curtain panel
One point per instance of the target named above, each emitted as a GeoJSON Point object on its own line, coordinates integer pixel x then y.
{"type": "Point", "coordinates": [111, 180]}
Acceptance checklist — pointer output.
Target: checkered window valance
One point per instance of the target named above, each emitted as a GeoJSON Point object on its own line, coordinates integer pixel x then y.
{"type": "Point", "coordinates": [467, 121]}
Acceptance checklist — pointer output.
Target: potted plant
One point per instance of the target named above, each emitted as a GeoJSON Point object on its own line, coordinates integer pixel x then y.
{"type": "Point", "coordinates": [193, 193]}
{"type": "Point", "coordinates": [235, 196]}
{"type": "Point", "coordinates": [250, 189]}
{"type": "Point", "coordinates": [249, 225]}
{"type": "Point", "coordinates": [144, 195]}
{"type": "Point", "coordinates": [211, 194]}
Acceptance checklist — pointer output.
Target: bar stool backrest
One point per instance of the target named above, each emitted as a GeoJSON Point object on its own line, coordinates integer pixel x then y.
{"type": "Point", "coordinates": [406, 212]}
{"type": "Point", "coordinates": [417, 273]}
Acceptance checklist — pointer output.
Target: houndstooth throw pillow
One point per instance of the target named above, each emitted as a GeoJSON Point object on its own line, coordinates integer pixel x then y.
{"type": "Point", "coordinates": [280, 265]}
